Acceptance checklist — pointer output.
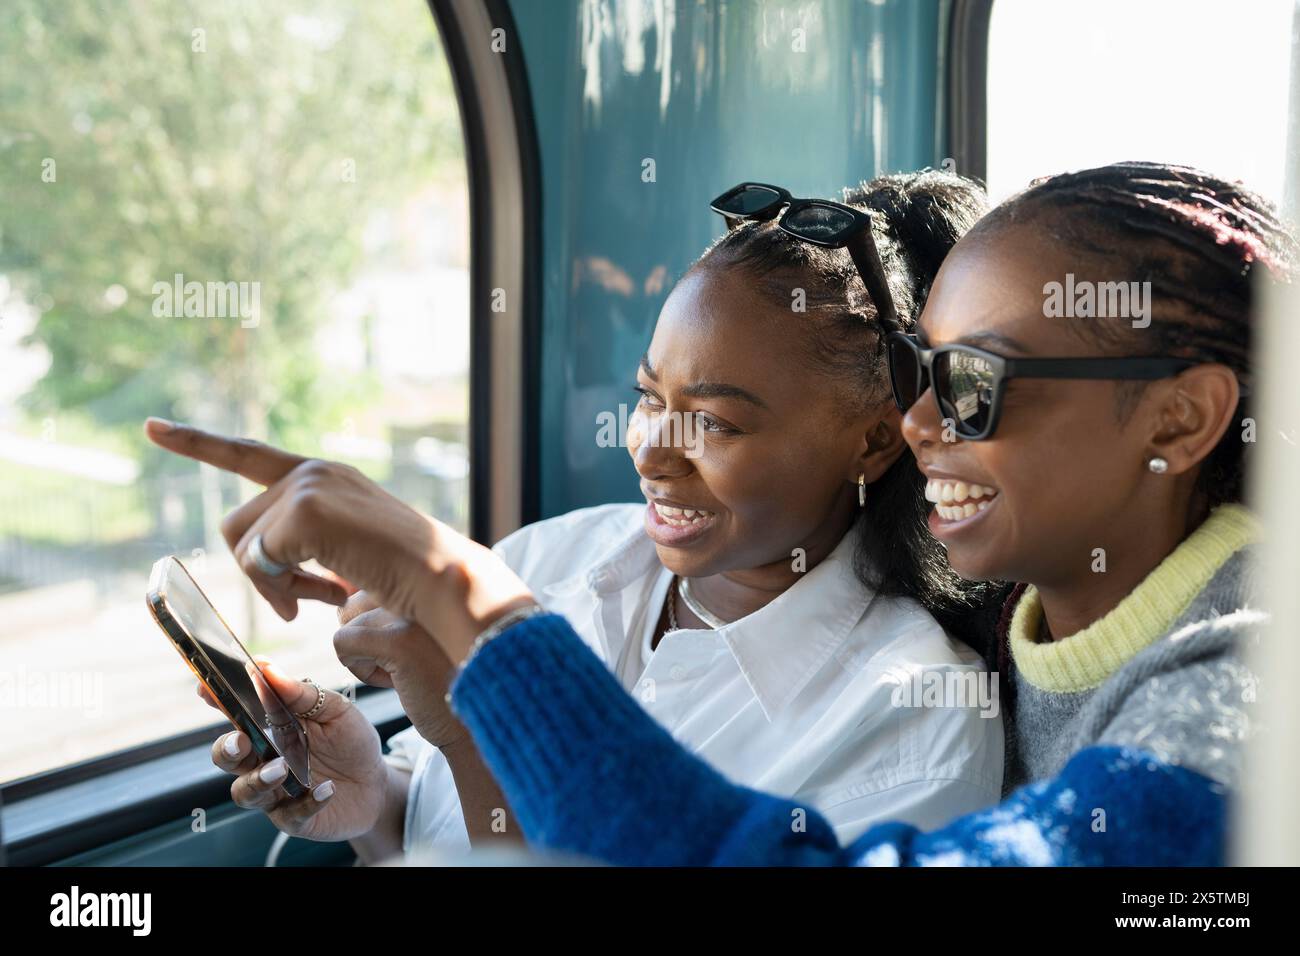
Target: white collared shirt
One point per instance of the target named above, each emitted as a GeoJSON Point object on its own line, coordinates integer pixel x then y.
{"type": "Point", "coordinates": [830, 694]}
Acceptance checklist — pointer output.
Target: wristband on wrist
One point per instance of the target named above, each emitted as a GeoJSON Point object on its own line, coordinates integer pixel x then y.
{"type": "Point", "coordinates": [503, 623]}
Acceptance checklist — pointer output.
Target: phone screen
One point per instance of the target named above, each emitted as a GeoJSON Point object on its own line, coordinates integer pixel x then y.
{"type": "Point", "coordinates": [194, 613]}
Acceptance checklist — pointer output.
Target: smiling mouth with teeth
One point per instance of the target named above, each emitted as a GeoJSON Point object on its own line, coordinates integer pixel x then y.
{"type": "Point", "coordinates": [682, 517]}
{"type": "Point", "coordinates": [954, 500]}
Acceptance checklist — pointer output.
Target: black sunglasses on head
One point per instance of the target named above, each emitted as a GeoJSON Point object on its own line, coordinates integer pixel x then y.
{"type": "Point", "coordinates": [820, 222]}
{"type": "Point", "coordinates": [969, 382]}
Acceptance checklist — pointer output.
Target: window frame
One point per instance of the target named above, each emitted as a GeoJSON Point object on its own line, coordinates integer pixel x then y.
{"type": "Point", "coordinates": [503, 159]}
{"type": "Point", "coordinates": [965, 96]}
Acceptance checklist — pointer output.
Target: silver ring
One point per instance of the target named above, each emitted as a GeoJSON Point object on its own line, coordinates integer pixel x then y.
{"type": "Point", "coordinates": [320, 701]}
{"type": "Point", "coordinates": [272, 569]}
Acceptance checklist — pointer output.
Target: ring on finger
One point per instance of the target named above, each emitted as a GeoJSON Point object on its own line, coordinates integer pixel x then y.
{"type": "Point", "coordinates": [265, 563]}
{"type": "Point", "coordinates": [320, 701]}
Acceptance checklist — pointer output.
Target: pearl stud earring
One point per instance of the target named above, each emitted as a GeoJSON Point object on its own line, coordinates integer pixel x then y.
{"type": "Point", "coordinates": [1158, 465]}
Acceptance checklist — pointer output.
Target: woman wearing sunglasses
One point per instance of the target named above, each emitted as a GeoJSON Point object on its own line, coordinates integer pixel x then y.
{"type": "Point", "coordinates": [1101, 461]}
{"type": "Point", "coordinates": [773, 601]}
{"type": "Point", "coordinates": [1116, 497]}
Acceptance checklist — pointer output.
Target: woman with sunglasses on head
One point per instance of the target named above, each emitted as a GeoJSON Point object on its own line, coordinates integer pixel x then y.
{"type": "Point", "coordinates": [773, 603]}
{"type": "Point", "coordinates": [1129, 698]}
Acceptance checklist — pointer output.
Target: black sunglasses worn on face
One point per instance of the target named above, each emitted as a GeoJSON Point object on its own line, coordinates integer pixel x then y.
{"type": "Point", "coordinates": [969, 383]}
{"type": "Point", "coordinates": [820, 222]}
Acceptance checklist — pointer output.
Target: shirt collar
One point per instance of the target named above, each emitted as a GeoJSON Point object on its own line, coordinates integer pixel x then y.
{"type": "Point", "coordinates": [782, 645]}
{"type": "Point", "coordinates": [629, 559]}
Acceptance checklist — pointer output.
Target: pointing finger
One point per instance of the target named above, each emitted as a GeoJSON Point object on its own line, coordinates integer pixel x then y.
{"type": "Point", "coordinates": [253, 460]}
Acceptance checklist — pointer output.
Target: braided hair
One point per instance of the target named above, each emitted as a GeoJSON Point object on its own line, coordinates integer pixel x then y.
{"type": "Point", "coordinates": [919, 217]}
{"type": "Point", "coordinates": [1198, 240]}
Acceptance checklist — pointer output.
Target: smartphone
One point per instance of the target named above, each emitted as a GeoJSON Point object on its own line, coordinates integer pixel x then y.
{"type": "Point", "coordinates": [225, 668]}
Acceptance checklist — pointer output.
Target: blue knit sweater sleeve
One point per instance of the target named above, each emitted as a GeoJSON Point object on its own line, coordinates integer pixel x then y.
{"type": "Point", "coordinates": [588, 772]}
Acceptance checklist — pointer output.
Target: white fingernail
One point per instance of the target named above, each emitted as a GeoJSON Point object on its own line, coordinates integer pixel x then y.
{"type": "Point", "coordinates": [231, 745]}
{"type": "Point", "coordinates": [323, 791]}
{"type": "Point", "coordinates": [274, 771]}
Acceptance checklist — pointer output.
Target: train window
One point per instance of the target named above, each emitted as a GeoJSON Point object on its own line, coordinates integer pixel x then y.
{"type": "Point", "coordinates": [249, 216]}
{"type": "Point", "coordinates": [1078, 84]}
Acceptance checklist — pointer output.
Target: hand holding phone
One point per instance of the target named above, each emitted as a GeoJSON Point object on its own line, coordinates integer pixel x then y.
{"type": "Point", "coordinates": [353, 787]}
{"type": "Point", "coordinates": [353, 791]}
{"type": "Point", "coordinates": [224, 667]}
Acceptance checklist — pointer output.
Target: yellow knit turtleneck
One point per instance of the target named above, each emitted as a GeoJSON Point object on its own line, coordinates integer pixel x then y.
{"type": "Point", "coordinates": [1085, 659]}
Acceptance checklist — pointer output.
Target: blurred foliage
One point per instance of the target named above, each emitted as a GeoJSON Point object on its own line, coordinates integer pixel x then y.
{"type": "Point", "coordinates": [212, 140]}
